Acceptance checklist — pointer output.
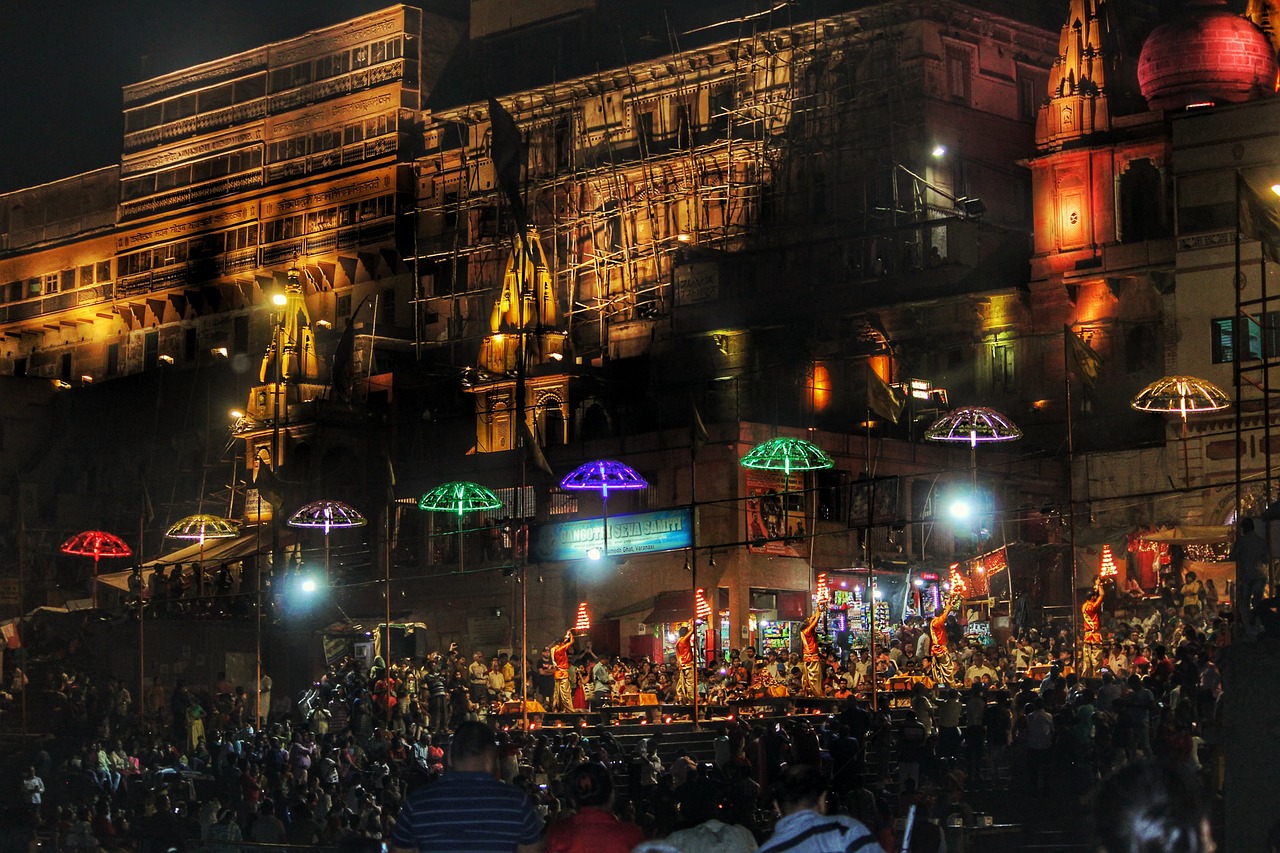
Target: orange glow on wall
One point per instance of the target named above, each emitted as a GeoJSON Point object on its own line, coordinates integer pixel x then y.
{"type": "Point", "coordinates": [819, 387]}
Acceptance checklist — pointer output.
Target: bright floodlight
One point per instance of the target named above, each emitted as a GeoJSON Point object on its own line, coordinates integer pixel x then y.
{"type": "Point", "coordinates": [593, 553]}
{"type": "Point", "coordinates": [310, 585]}
{"type": "Point", "coordinates": [960, 509]}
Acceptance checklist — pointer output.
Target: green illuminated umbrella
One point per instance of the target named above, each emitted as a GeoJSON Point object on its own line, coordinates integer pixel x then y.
{"type": "Point", "coordinates": [787, 455]}
{"type": "Point", "coordinates": [461, 498]}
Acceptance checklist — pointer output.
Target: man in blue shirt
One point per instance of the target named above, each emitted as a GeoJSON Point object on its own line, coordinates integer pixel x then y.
{"type": "Point", "coordinates": [805, 827]}
{"type": "Point", "coordinates": [469, 810]}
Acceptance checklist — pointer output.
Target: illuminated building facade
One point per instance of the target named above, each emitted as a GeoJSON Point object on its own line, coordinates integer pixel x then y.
{"type": "Point", "coordinates": [740, 220]}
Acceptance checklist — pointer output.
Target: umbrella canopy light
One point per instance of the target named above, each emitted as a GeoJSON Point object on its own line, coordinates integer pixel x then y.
{"type": "Point", "coordinates": [204, 526]}
{"type": "Point", "coordinates": [603, 475]}
{"type": "Point", "coordinates": [96, 544]}
{"type": "Point", "coordinates": [1183, 395]}
{"type": "Point", "coordinates": [973, 424]}
{"type": "Point", "coordinates": [326, 515]}
{"type": "Point", "coordinates": [787, 455]}
{"type": "Point", "coordinates": [460, 497]}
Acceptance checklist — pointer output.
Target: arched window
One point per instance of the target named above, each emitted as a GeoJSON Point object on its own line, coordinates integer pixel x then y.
{"type": "Point", "coordinates": [1142, 214]}
{"type": "Point", "coordinates": [553, 424]}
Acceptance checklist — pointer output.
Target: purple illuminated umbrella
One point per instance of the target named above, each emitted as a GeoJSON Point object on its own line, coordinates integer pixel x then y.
{"type": "Point", "coordinates": [96, 544]}
{"type": "Point", "coordinates": [601, 476]}
{"type": "Point", "coordinates": [326, 515]}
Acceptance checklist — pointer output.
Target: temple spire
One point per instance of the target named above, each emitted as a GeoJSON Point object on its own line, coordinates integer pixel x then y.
{"type": "Point", "coordinates": [1092, 79]}
{"type": "Point", "coordinates": [1265, 15]}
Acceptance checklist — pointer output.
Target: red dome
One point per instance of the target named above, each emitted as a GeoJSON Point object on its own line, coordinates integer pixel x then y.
{"type": "Point", "coordinates": [1206, 54]}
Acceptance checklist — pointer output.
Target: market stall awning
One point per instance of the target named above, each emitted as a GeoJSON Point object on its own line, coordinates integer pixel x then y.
{"type": "Point", "coordinates": [1189, 534]}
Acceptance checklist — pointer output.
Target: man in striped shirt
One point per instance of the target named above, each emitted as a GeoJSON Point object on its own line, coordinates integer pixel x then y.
{"type": "Point", "coordinates": [469, 810]}
{"type": "Point", "coordinates": [805, 827]}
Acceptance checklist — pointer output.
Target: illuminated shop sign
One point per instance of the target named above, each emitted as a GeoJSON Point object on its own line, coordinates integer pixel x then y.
{"type": "Point", "coordinates": [637, 533]}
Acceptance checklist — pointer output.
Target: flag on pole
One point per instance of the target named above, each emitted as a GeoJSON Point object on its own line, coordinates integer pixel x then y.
{"type": "Point", "coordinates": [507, 149]}
{"type": "Point", "coordinates": [1258, 218]}
{"type": "Point", "coordinates": [270, 489]}
{"type": "Point", "coordinates": [698, 436]}
{"type": "Point", "coordinates": [534, 450]}
{"type": "Point", "coordinates": [1085, 361]}
{"type": "Point", "coordinates": [881, 398]}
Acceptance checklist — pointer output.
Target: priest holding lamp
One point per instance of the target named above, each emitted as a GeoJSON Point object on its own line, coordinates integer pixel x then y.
{"type": "Point", "coordinates": [812, 685]}
{"type": "Point", "coordinates": [684, 660]}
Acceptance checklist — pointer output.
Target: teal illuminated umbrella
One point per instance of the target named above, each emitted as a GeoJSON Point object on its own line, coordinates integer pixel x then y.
{"type": "Point", "coordinates": [96, 544]}
{"type": "Point", "coordinates": [326, 515]}
{"type": "Point", "coordinates": [198, 528]}
{"type": "Point", "coordinates": [787, 455]}
{"type": "Point", "coordinates": [601, 476]}
{"type": "Point", "coordinates": [459, 497]}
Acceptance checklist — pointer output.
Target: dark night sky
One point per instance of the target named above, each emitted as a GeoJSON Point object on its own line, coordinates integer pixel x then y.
{"type": "Point", "coordinates": [63, 64]}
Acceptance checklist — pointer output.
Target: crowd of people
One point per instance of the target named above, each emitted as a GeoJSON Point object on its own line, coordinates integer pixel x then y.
{"type": "Point", "coordinates": [343, 764]}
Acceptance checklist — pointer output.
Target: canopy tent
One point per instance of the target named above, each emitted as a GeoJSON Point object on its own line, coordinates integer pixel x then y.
{"type": "Point", "coordinates": [215, 552]}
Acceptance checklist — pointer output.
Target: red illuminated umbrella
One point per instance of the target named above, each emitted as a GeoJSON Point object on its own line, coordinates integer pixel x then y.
{"type": "Point", "coordinates": [96, 544]}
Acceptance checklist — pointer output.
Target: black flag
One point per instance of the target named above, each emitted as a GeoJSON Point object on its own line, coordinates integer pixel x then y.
{"type": "Point", "coordinates": [1259, 219]}
{"type": "Point", "coordinates": [340, 376]}
{"type": "Point", "coordinates": [508, 151]}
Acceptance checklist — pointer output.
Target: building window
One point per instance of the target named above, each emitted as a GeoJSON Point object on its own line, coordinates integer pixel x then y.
{"type": "Point", "coordinates": [1031, 93]}
{"type": "Point", "coordinates": [1002, 368]}
{"type": "Point", "coordinates": [1225, 331]}
{"type": "Point", "coordinates": [1141, 210]}
{"type": "Point", "coordinates": [150, 350]}
{"type": "Point", "coordinates": [644, 131]}
{"type": "Point", "coordinates": [959, 70]}
{"type": "Point", "coordinates": [240, 335]}
{"type": "Point", "coordinates": [113, 359]}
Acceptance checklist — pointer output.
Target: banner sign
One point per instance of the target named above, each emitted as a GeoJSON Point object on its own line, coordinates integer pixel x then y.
{"type": "Point", "coordinates": [776, 514]}
{"type": "Point", "coordinates": [637, 533]}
